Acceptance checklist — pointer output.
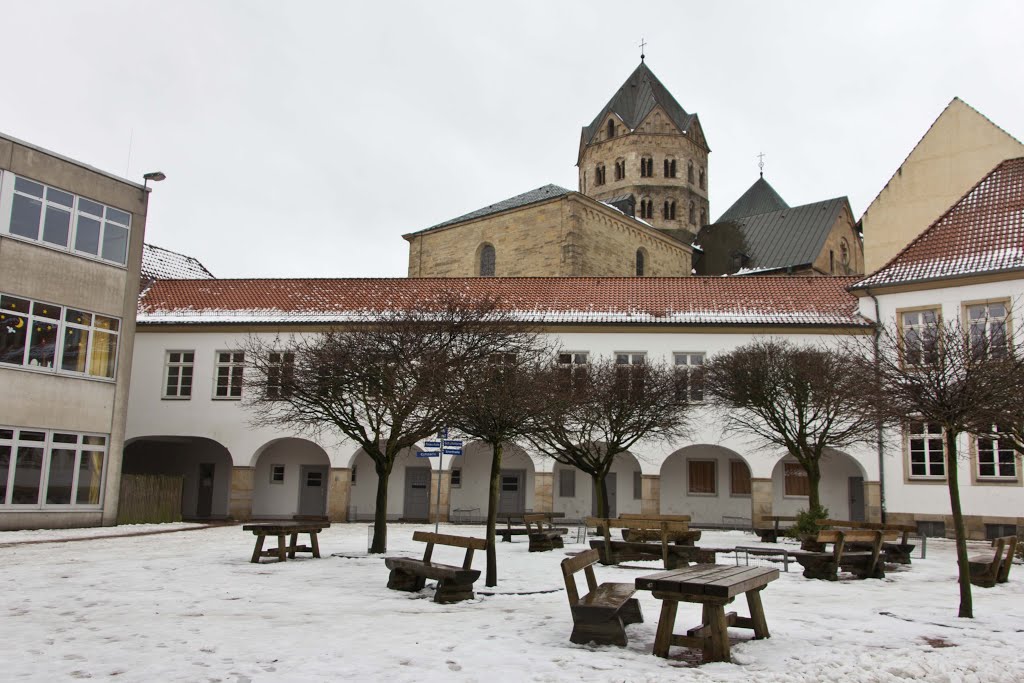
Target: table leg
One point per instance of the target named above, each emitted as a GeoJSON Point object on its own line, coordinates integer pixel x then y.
{"type": "Point", "coordinates": [716, 644]}
{"type": "Point", "coordinates": [282, 548]}
{"type": "Point", "coordinates": [313, 543]}
{"type": "Point", "coordinates": [760, 624]}
{"type": "Point", "coordinates": [291, 546]}
{"type": "Point", "coordinates": [259, 548]}
{"type": "Point", "coordinates": [666, 622]}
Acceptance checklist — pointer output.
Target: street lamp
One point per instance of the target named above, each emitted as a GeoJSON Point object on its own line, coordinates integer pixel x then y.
{"type": "Point", "coordinates": [155, 176]}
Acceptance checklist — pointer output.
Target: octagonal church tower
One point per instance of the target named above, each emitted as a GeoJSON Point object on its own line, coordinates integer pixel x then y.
{"type": "Point", "coordinates": [643, 152]}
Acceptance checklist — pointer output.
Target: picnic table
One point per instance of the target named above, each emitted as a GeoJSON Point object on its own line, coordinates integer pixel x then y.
{"type": "Point", "coordinates": [510, 518]}
{"type": "Point", "coordinates": [282, 530]}
{"type": "Point", "coordinates": [713, 586]}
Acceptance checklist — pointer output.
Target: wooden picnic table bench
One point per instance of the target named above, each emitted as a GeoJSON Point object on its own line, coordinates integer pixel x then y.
{"type": "Point", "coordinates": [846, 554]}
{"type": "Point", "coordinates": [603, 613]}
{"type": "Point", "coordinates": [680, 532]}
{"type": "Point", "coordinates": [992, 567]}
{"type": "Point", "coordinates": [771, 534]}
{"type": "Point", "coordinates": [517, 518]}
{"type": "Point", "coordinates": [673, 554]}
{"type": "Point", "coordinates": [453, 583]}
{"type": "Point", "coordinates": [713, 586]}
{"type": "Point", "coordinates": [894, 549]}
{"type": "Point", "coordinates": [282, 530]}
{"type": "Point", "coordinates": [543, 535]}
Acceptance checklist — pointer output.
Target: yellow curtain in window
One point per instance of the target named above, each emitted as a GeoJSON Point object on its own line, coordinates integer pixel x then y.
{"type": "Point", "coordinates": [104, 347]}
{"type": "Point", "coordinates": [90, 472]}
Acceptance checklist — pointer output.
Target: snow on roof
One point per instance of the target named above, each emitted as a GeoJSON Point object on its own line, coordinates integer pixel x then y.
{"type": "Point", "coordinates": [982, 233]}
{"type": "Point", "coordinates": [163, 264]}
{"type": "Point", "coordinates": [815, 301]}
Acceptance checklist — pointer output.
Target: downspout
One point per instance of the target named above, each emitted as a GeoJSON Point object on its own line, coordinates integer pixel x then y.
{"type": "Point", "coordinates": [880, 440]}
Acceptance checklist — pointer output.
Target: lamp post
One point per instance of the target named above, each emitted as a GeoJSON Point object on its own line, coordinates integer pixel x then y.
{"type": "Point", "coordinates": [155, 176]}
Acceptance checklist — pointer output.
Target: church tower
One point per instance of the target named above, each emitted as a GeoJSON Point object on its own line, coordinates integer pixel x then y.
{"type": "Point", "coordinates": [644, 153]}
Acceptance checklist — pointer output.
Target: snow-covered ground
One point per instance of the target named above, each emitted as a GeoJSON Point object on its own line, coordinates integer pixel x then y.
{"type": "Point", "coordinates": [189, 606]}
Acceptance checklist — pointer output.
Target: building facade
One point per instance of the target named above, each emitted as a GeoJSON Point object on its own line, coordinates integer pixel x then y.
{"type": "Point", "coordinates": [70, 250]}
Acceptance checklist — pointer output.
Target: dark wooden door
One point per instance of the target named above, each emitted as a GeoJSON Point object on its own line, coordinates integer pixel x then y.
{"type": "Point", "coordinates": [204, 500]}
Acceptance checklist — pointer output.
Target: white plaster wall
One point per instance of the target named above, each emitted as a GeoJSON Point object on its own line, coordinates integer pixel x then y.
{"type": "Point", "coordinates": [834, 487]}
{"type": "Point", "coordinates": [582, 504]}
{"type": "Point", "coordinates": [282, 500]}
{"type": "Point", "coordinates": [710, 508]}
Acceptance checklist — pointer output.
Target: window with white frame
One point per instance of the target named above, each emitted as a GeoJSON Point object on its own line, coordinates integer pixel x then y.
{"type": "Point", "coordinates": [277, 474]}
{"type": "Point", "coordinates": [690, 376]}
{"type": "Point", "coordinates": [919, 332]}
{"type": "Point", "coordinates": [178, 370]}
{"type": "Point", "coordinates": [62, 220]}
{"type": "Point", "coordinates": [44, 336]}
{"type": "Point", "coordinates": [997, 457]}
{"type": "Point", "coordinates": [630, 358]}
{"type": "Point", "coordinates": [572, 366]}
{"type": "Point", "coordinates": [456, 477]}
{"type": "Point", "coordinates": [988, 329]}
{"type": "Point", "coordinates": [280, 374]}
{"type": "Point", "coordinates": [567, 483]}
{"type": "Point", "coordinates": [229, 366]}
{"type": "Point", "coordinates": [50, 468]}
{"type": "Point", "coordinates": [926, 450]}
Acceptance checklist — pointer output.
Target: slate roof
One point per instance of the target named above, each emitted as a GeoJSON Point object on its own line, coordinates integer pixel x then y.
{"type": "Point", "coordinates": [981, 233]}
{"type": "Point", "coordinates": [759, 198]}
{"type": "Point", "coordinates": [803, 301]}
{"type": "Point", "coordinates": [787, 237]}
{"type": "Point", "coordinates": [163, 264]}
{"type": "Point", "coordinates": [634, 101]}
{"type": "Point", "coordinates": [541, 194]}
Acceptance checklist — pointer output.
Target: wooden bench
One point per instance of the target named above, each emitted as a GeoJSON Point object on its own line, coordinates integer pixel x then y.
{"type": "Point", "coordinates": [602, 614]}
{"type": "Point", "coordinates": [990, 568]}
{"type": "Point", "coordinates": [453, 583]}
{"type": "Point", "coordinates": [895, 549]}
{"type": "Point", "coordinates": [543, 535]}
{"type": "Point", "coordinates": [864, 564]}
{"type": "Point", "coordinates": [771, 534]}
{"type": "Point", "coordinates": [282, 530]}
{"type": "Point", "coordinates": [681, 532]}
{"type": "Point", "coordinates": [674, 555]}
{"type": "Point", "coordinates": [517, 518]}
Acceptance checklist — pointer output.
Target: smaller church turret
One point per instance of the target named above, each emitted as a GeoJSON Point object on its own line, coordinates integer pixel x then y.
{"type": "Point", "coordinates": [644, 145]}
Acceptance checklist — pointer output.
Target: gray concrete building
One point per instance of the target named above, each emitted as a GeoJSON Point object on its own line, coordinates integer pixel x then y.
{"type": "Point", "coordinates": [71, 241]}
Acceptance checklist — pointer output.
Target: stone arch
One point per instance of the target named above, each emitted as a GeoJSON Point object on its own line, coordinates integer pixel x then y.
{"type": "Point", "coordinates": [204, 465]}
{"type": "Point", "coordinates": [289, 474]}
{"type": "Point", "coordinates": [685, 488]}
{"type": "Point", "coordinates": [837, 468]}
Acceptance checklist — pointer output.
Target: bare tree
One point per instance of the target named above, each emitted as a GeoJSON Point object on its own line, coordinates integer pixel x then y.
{"type": "Point", "coordinates": [804, 399]}
{"type": "Point", "coordinates": [597, 410]}
{"type": "Point", "coordinates": [498, 400]}
{"type": "Point", "coordinates": [387, 383]}
{"type": "Point", "coordinates": [938, 382]}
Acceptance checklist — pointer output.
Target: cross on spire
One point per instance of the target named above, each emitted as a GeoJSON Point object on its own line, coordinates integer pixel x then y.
{"type": "Point", "coordinates": [643, 44]}
{"type": "Point", "coordinates": [760, 163]}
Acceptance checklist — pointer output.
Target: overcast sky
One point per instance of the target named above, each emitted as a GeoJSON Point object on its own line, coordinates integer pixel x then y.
{"type": "Point", "coordinates": [305, 138]}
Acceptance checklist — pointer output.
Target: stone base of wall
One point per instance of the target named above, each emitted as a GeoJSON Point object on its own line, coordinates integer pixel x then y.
{"type": "Point", "coordinates": [974, 524]}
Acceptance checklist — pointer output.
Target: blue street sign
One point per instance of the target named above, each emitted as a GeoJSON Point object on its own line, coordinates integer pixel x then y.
{"type": "Point", "coordinates": [452, 451]}
{"type": "Point", "coordinates": [432, 444]}
{"type": "Point", "coordinates": [452, 442]}
{"type": "Point", "coordinates": [427, 454]}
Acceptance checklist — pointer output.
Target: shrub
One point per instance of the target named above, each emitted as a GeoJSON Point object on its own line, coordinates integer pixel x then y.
{"type": "Point", "coordinates": [807, 522]}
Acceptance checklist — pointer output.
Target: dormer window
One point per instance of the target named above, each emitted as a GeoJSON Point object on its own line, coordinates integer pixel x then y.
{"type": "Point", "coordinates": [487, 260]}
{"type": "Point", "coordinates": [646, 167]}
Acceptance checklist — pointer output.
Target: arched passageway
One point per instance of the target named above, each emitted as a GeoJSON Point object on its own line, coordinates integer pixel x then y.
{"type": "Point", "coordinates": [203, 465]}
{"type": "Point", "coordinates": [842, 486]}
{"type": "Point", "coordinates": [290, 477]}
{"type": "Point", "coordinates": [710, 483]}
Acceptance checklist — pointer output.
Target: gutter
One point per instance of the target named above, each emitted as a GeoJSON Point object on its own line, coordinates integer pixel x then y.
{"type": "Point", "coordinates": [880, 444]}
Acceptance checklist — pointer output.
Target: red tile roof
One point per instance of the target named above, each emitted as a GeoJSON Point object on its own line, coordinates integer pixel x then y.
{"type": "Point", "coordinates": [688, 300]}
{"type": "Point", "coordinates": [982, 233]}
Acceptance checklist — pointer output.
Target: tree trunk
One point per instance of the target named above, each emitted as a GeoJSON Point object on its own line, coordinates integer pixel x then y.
{"type": "Point", "coordinates": [601, 491]}
{"type": "Point", "coordinates": [966, 601]}
{"type": "Point", "coordinates": [492, 515]}
{"type": "Point", "coordinates": [380, 512]}
{"type": "Point", "coordinates": [813, 484]}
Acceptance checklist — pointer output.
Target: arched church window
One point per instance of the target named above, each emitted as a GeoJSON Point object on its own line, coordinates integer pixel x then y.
{"type": "Point", "coordinates": [487, 260]}
{"type": "Point", "coordinates": [703, 217]}
{"type": "Point", "coordinates": [640, 262]}
{"type": "Point", "coordinates": [666, 169]}
{"type": "Point", "coordinates": [620, 169]}
{"type": "Point", "coordinates": [689, 172]}
{"type": "Point", "coordinates": [702, 181]}
{"type": "Point", "coordinates": [693, 213]}
{"type": "Point", "coordinates": [646, 167]}
{"type": "Point", "coordinates": [672, 210]}
{"type": "Point", "coordinates": [664, 210]}
{"type": "Point", "coordinates": [599, 175]}
{"type": "Point", "coordinates": [672, 169]}
{"type": "Point", "coordinates": [611, 128]}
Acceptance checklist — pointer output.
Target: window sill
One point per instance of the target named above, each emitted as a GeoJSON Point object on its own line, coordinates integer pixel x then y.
{"type": "Point", "coordinates": [175, 398]}
{"type": "Point", "coordinates": [226, 398]}
{"type": "Point", "coordinates": [703, 494]}
{"type": "Point", "coordinates": [54, 372]}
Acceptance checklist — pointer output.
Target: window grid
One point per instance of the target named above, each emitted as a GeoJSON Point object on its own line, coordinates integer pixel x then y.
{"type": "Point", "coordinates": [65, 221]}
{"type": "Point", "coordinates": [277, 474]}
{"type": "Point", "coordinates": [927, 451]}
{"type": "Point", "coordinates": [229, 370]}
{"type": "Point", "coordinates": [43, 336]}
{"type": "Point", "coordinates": [179, 368]}
{"type": "Point", "coordinates": [690, 369]}
{"type": "Point", "coordinates": [919, 336]}
{"type": "Point", "coordinates": [630, 357]}
{"type": "Point", "coordinates": [456, 477]}
{"type": "Point", "coordinates": [987, 324]}
{"type": "Point", "coordinates": [997, 458]}
{"type": "Point", "coordinates": [280, 374]}
{"type": "Point", "coordinates": [47, 468]}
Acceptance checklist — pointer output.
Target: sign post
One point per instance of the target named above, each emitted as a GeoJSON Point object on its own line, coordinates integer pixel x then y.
{"type": "Point", "coordinates": [441, 445]}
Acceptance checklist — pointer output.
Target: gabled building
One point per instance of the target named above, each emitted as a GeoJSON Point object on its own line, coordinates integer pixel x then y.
{"type": "Point", "coordinates": [967, 266]}
{"type": "Point", "coordinates": [163, 264]}
{"type": "Point", "coordinates": [960, 147]}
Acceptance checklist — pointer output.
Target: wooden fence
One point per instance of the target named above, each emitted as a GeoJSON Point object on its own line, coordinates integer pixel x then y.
{"type": "Point", "coordinates": [149, 498]}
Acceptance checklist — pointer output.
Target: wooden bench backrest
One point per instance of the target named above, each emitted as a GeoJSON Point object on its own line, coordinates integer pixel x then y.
{"type": "Point", "coordinates": [891, 532]}
{"type": "Point", "coordinates": [643, 524]}
{"type": "Point", "coordinates": [849, 536]}
{"type": "Point", "coordinates": [570, 565]}
{"type": "Point", "coordinates": [467, 542]}
{"type": "Point", "coordinates": [1010, 543]}
{"type": "Point", "coordinates": [660, 518]}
